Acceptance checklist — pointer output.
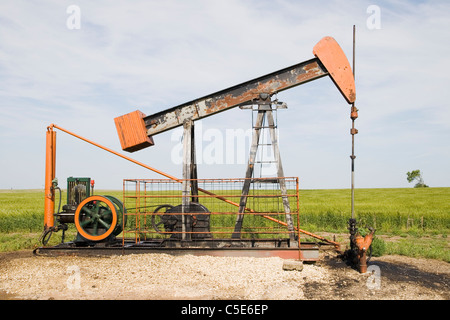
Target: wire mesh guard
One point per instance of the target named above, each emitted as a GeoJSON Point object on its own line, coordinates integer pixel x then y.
{"type": "Point", "coordinates": [159, 209]}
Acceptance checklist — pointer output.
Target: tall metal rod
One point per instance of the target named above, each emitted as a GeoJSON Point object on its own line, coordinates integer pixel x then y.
{"type": "Point", "coordinates": [353, 131]}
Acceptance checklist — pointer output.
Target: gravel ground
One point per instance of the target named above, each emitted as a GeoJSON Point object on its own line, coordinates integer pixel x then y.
{"type": "Point", "coordinates": [162, 276]}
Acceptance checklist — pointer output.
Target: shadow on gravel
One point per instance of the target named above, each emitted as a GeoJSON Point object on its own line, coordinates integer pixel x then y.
{"type": "Point", "coordinates": [391, 272]}
{"type": "Point", "coordinates": [406, 273]}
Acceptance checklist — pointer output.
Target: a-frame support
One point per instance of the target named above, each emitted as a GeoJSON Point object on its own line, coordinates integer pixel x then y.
{"type": "Point", "coordinates": [264, 110]}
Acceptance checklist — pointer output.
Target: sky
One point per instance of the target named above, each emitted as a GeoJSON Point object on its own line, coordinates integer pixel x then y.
{"type": "Point", "coordinates": [80, 64]}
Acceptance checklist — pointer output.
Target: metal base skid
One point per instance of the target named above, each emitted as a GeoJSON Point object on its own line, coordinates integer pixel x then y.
{"type": "Point", "coordinates": [215, 247]}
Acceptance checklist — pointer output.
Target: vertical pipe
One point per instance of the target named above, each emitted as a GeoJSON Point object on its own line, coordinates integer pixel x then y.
{"type": "Point", "coordinates": [188, 127]}
{"type": "Point", "coordinates": [50, 169]}
{"type": "Point", "coordinates": [300, 253]}
{"type": "Point", "coordinates": [354, 42]}
{"type": "Point", "coordinates": [353, 134]}
{"type": "Point", "coordinates": [123, 213]}
{"type": "Point", "coordinates": [137, 218]}
{"type": "Point", "coordinates": [193, 176]}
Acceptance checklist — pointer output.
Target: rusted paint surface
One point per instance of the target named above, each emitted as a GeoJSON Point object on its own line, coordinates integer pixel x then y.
{"type": "Point", "coordinates": [235, 96]}
{"type": "Point", "coordinates": [330, 60]}
{"type": "Point", "coordinates": [333, 58]}
{"type": "Point", "coordinates": [132, 131]}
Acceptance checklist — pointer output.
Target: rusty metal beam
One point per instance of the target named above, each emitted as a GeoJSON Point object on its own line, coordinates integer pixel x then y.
{"type": "Point", "coordinates": [135, 132]}
{"type": "Point", "coordinates": [237, 95]}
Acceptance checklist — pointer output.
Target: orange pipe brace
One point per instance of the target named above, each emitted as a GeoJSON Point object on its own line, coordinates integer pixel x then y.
{"type": "Point", "coordinates": [50, 166]}
{"type": "Point", "coordinates": [180, 181]}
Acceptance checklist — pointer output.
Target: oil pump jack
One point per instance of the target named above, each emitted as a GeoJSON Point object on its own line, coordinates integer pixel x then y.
{"type": "Point", "coordinates": [136, 131]}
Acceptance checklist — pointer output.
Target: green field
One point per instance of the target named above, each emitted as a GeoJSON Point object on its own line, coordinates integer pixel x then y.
{"type": "Point", "coordinates": [414, 221]}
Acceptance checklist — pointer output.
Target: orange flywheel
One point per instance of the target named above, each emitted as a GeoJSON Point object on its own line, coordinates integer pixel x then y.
{"type": "Point", "coordinates": [96, 218]}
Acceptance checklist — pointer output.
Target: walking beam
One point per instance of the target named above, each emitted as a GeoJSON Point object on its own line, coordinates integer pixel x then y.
{"type": "Point", "coordinates": [135, 130]}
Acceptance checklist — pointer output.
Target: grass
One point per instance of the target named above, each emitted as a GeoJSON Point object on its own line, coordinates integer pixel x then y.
{"type": "Point", "coordinates": [21, 211]}
{"type": "Point", "coordinates": [395, 211]}
{"type": "Point", "coordinates": [436, 247]}
{"type": "Point", "coordinates": [418, 218]}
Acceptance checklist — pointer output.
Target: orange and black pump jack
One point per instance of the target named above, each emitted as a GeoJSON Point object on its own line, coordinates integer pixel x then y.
{"type": "Point", "coordinates": [136, 131]}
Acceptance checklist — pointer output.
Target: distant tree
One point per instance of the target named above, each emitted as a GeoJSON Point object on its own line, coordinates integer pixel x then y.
{"type": "Point", "coordinates": [416, 175]}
